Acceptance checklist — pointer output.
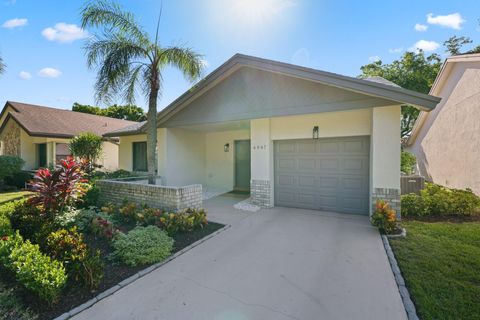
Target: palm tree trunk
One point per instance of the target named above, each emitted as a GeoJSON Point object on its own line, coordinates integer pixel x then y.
{"type": "Point", "coordinates": [152, 135]}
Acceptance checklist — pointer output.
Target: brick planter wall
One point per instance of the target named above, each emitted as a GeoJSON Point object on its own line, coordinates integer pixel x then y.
{"type": "Point", "coordinates": [260, 193]}
{"type": "Point", "coordinates": [154, 196]}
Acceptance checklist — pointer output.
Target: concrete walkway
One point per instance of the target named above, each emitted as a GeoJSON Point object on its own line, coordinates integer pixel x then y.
{"type": "Point", "coordinates": [274, 264]}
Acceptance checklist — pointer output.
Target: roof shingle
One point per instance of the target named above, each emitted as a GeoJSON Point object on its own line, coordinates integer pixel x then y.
{"type": "Point", "coordinates": [47, 121]}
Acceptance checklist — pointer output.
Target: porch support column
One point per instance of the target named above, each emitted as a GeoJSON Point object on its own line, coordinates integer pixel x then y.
{"type": "Point", "coordinates": [385, 157]}
{"type": "Point", "coordinates": [261, 184]}
{"type": "Point", "coordinates": [51, 153]}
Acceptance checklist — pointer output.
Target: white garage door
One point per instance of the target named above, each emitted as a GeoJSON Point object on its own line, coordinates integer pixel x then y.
{"type": "Point", "coordinates": [330, 174]}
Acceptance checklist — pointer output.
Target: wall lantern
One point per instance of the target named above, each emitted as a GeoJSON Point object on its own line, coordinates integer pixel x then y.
{"type": "Point", "coordinates": [226, 147]}
{"type": "Point", "coordinates": [315, 132]}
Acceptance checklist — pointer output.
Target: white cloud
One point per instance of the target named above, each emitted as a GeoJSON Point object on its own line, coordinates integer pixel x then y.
{"type": "Point", "coordinates": [63, 32]}
{"type": "Point", "coordinates": [25, 75]}
{"type": "Point", "coordinates": [395, 50]}
{"type": "Point", "coordinates": [453, 20]}
{"type": "Point", "coordinates": [425, 45]}
{"type": "Point", "coordinates": [49, 73]}
{"type": "Point", "coordinates": [14, 23]}
{"type": "Point", "coordinates": [374, 58]}
{"type": "Point", "coordinates": [421, 27]}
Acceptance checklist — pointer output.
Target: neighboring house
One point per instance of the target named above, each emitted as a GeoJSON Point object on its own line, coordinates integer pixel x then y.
{"type": "Point", "coordinates": [446, 141]}
{"type": "Point", "coordinates": [40, 135]}
{"type": "Point", "coordinates": [290, 135]}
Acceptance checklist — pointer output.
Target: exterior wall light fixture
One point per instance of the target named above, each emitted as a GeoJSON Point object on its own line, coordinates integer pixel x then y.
{"type": "Point", "coordinates": [315, 132]}
{"type": "Point", "coordinates": [226, 147]}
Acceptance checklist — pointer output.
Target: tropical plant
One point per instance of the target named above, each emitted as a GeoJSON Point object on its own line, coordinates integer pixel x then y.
{"type": "Point", "coordinates": [128, 59]}
{"type": "Point", "coordinates": [86, 146]}
{"type": "Point", "coordinates": [56, 190]}
{"type": "Point", "coordinates": [384, 217]}
{"type": "Point", "coordinates": [142, 245]}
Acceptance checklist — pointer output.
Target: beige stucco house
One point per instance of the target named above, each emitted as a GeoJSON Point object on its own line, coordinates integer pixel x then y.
{"type": "Point", "coordinates": [446, 141]}
{"type": "Point", "coordinates": [290, 135]}
{"type": "Point", "coordinates": [40, 135]}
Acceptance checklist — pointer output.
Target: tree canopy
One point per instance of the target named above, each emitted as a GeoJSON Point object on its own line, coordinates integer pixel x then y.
{"type": "Point", "coordinates": [126, 112]}
{"type": "Point", "coordinates": [86, 146]}
{"type": "Point", "coordinates": [455, 44]}
{"type": "Point", "coordinates": [414, 71]}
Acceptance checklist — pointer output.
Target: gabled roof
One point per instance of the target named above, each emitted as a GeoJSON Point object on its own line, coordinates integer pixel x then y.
{"type": "Point", "coordinates": [374, 87]}
{"type": "Point", "coordinates": [50, 122]}
{"type": "Point", "coordinates": [438, 85]}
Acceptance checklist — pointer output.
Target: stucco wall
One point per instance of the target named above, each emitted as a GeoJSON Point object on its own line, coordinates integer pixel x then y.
{"type": "Point", "coordinates": [448, 145]}
{"type": "Point", "coordinates": [109, 158]}
{"type": "Point", "coordinates": [185, 157]}
{"type": "Point", "coordinates": [220, 170]}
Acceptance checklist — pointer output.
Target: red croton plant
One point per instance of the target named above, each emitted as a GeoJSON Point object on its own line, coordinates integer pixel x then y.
{"type": "Point", "coordinates": [57, 189]}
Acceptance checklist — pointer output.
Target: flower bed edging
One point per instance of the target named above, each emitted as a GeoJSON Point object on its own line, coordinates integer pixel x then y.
{"type": "Point", "coordinates": [136, 276]}
{"type": "Point", "coordinates": [402, 289]}
{"type": "Point", "coordinates": [403, 234]}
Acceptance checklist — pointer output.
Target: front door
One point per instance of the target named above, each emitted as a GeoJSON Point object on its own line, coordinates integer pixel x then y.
{"type": "Point", "coordinates": [41, 155]}
{"type": "Point", "coordinates": [242, 165]}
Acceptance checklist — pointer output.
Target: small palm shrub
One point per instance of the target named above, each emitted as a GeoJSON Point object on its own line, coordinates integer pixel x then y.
{"type": "Point", "coordinates": [142, 245]}
{"type": "Point", "coordinates": [384, 217]}
{"type": "Point", "coordinates": [34, 270]}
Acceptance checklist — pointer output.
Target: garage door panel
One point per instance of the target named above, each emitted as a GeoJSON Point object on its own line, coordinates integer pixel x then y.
{"type": "Point", "coordinates": [306, 181]}
{"type": "Point", "coordinates": [326, 174]}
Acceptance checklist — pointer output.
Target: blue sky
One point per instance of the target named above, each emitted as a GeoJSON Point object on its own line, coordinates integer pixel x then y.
{"type": "Point", "coordinates": [42, 44]}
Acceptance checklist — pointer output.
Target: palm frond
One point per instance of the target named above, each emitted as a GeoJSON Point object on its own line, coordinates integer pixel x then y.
{"type": "Point", "coordinates": [185, 59]}
{"type": "Point", "coordinates": [107, 13]}
{"type": "Point", "coordinates": [2, 66]}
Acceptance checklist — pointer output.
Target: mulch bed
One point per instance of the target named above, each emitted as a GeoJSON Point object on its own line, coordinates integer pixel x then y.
{"type": "Point", "coordinates": [447, 218]}
{"type": "Point", "coordinates": [74, 294]}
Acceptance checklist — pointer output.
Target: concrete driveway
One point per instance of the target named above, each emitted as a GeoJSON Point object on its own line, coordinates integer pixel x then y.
{"type": "Point", "coordinates": [278, 263]}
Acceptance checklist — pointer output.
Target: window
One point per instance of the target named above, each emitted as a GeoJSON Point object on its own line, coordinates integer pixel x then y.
{"type": "Point", "coordinates": [139, 156]}
{"type": "Point", "coordinates": [41, 155]}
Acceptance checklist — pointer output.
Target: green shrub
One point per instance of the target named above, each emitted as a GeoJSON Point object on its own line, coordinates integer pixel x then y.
{"type": "Point", "coordinates": [185, 221]}
{"type": "Point", "coordinates": [118, 174]}
{"type": "Point", "coordinates": [28, 220]}
{"type": "Point", "coordinates": [91, 197]}
{"type": "Point", "coordinates": [413, 206]}
{"type": "Point", "coordinates": [5, 226]}
{"type": "Point", "coordinates": [142, 245]}
{"type": "Point", "coordinates": [19, 179]}
{"type": "Point", "coordinates": [33, 269]}
{"type": "Point", "coordinates": [407, 162]}
{"type": "Point", "coordinates": [8, 208]}
{"type": "Point", "coordinates": [86, 146]}
{"type": "Point", "coordinates": [11, 306]}
{"type": "Point", "coordinates": [437, 200]}
{"type": "Point", "coordinates": [68, 246]}
{"type": "Point", "coordinates": [67, 218]}
{"type": "Point", "coordinates": [9, 165]}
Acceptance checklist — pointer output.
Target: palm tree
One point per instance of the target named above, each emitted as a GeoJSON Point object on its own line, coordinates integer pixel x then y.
{"type": "Point", "coordinates": [127, 59]}
{"type": "Point", "coordinates": [2, 66]}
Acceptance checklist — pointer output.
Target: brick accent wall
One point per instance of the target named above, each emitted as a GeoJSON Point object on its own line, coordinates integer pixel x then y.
{"type": "Point", "coordinates": [260, 193]}
{"type": "Point", "coordinates": [392, 196]}
{"type": "Point", "coordinates": [154, 196]}
{"type": "Point", "coordinates": [11, 139]}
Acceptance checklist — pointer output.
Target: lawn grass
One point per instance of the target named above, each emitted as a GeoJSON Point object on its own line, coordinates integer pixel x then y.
{"type": "Point", "coordinates": [441, 265]}
{"type": "Point", "coordinates": [9, 196]}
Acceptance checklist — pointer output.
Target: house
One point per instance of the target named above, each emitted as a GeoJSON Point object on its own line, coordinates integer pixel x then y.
{"type": "Point", "coordinates": [290, 135]}
{"type": "Point", "coordinates": [446, 141]}
{"type": "Point", "coordinates": [40, 135]}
